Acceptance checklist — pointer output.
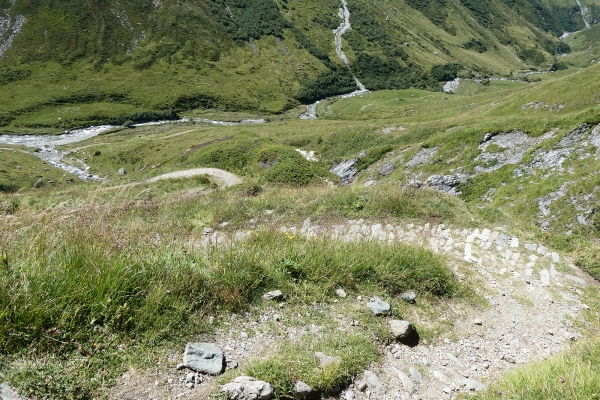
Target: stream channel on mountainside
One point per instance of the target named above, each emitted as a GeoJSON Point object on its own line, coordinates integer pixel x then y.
{"type": "Point", "coordinates": [344, 14]}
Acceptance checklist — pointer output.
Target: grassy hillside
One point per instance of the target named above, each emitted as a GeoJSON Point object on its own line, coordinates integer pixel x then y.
{"type": "Point", "coordinates": [88, 62]}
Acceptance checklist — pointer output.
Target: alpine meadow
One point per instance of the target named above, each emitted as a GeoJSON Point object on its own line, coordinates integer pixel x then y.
{"type": "Point", "coordinates": [299, 199]}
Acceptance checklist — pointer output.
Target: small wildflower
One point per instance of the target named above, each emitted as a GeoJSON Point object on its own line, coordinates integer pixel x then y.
{"type": "Point", "coordinates": [499, 393]}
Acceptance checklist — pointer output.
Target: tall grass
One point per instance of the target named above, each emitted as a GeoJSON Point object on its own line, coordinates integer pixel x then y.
{"type": "Point", "coordinates": [129, 270]}
{"type": "Point", "coordinates": [572, 375]}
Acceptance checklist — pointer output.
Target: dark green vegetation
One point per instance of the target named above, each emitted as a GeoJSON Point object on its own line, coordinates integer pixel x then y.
{"type": "Point", "coordinates": [90, 63]}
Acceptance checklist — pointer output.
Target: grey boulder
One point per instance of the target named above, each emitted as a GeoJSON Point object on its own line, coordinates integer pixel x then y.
{"type": "Point", "coordinates": [378, 306]}
{"type": "Point", "coordinates": [205, 358]}
{"type": "Point", "coordinates": [248, 388]}
{"type": "Point", "coordinates": [373, 381]}
{"type": "Point", "coordinates": [400, 329]}
{"type": "Point", "coordinates": [302, 390]}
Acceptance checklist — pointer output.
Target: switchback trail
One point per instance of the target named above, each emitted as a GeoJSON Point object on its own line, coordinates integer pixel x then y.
{"type": "Point", "coordinates": [536, 305]}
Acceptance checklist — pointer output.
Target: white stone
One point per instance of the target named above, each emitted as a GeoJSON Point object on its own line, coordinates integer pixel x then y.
{"type": "Point", "coordinates": [248, 388]}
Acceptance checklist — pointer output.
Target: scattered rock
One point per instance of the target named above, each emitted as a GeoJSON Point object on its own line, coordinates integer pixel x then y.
{"type": "Point", "coordinates": [232, 364]}
{"type": "Point", "coordinates": [207, 231]}
{"type": "Point", "coordinates": [373, 381]}
{"type": "Point", "coordinates": [387, 169]}
{"type": "Point", "coordinates": [248, 388]}
{"type": "Point", "coordinates": [190, 377]}
{"type": "Point", "coordinates": [486, 137]}
{"type": "Point", "coordinates": [472, 384]}
{"type": "Point", "coordinates": [423, 156]}
{"type": "Point", "coordinates": [302, 390]}
{"type": "Point", "coordinates": [416, 375]}
{"type": "Point", "coordinates": [509, 359]}
{"type": "Point", "coordinates": [409, 297]}
{"type": "Point", "coordinates": [478, 322]}
{"type": "Point", "coordinates": [340, 292]}
{"type": "Point", "coordinates": [324, 359]}
{"type": "Point", "coordinates": [378, 306]}
{"type": "Point", "coordinates": [7, 393]}
{"type": "Point", "coordinates": [442, 378]}
{"type": "Point", "coordinates": [122, 171]}
{"type": "Point", "coordinates": [205, 358]}
{"type": "Point", "coordinates": [274, 295]}
{"type": "Point", "coordinates": [406, 381]}
{"type": "Point", "coordinates": [400, 329]}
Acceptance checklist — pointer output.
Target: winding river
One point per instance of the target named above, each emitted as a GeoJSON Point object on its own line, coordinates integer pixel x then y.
{"type": "Point", "coordinates": [46, 145]}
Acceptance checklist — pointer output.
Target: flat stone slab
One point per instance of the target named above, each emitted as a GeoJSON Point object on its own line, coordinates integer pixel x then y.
{"type": "Point", "coordinates": [378, 306]}
{"type": "Point", "coordinates": [274, 295]}
{"type": "Point", "coordinates": [472, 384]}
{"type": "Point", "coordinates": [205, 358]}
{"type": "Point", "coordinates": [576, 279]}
{"type": "Point", "coordinates": [531, 246]}
{"type": "Point", "coordinates": [7, 393]}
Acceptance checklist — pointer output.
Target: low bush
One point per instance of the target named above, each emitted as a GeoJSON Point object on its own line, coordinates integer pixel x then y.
{"type": "Point", "coordinates": [8, 187]}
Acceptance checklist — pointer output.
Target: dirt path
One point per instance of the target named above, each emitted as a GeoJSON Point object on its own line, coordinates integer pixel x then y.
{"type": "Point", "coordinates": [225, 178]}
{"type": "Point", "coordinates": [535, 301]}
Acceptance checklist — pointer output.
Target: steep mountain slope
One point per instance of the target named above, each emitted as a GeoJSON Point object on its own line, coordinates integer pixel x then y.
{"type": "Point", "coordinates": [87, 62]}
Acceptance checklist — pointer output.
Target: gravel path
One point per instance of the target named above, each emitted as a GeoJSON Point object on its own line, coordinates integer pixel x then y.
{"type": "Point", "coordinates": [225, 178]}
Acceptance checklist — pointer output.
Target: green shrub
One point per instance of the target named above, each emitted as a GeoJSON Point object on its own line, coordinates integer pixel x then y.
{"type": "Point", "coordinates": [144, 116]}
{"type": "Point", "coordinates": [329, 83]}
{"type": "Point", "coordinates": [373, 155]}
{"type": "Point", "coordinates": [445, 72]}
{"type": "Point", "coordinates": [558, 66]}
{"type": "Point", "coordinates": [474, 44]}
{"type": "Point", "coordinates": [8, 187]}
{"type": "Point", "coordinates": [290, 167]}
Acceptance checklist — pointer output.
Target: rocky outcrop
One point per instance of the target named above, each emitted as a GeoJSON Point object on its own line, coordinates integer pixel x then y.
{"type": "Point", "coordinates": [447, 183]}
{"type": "Point", "coordinates": [346, 170]}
